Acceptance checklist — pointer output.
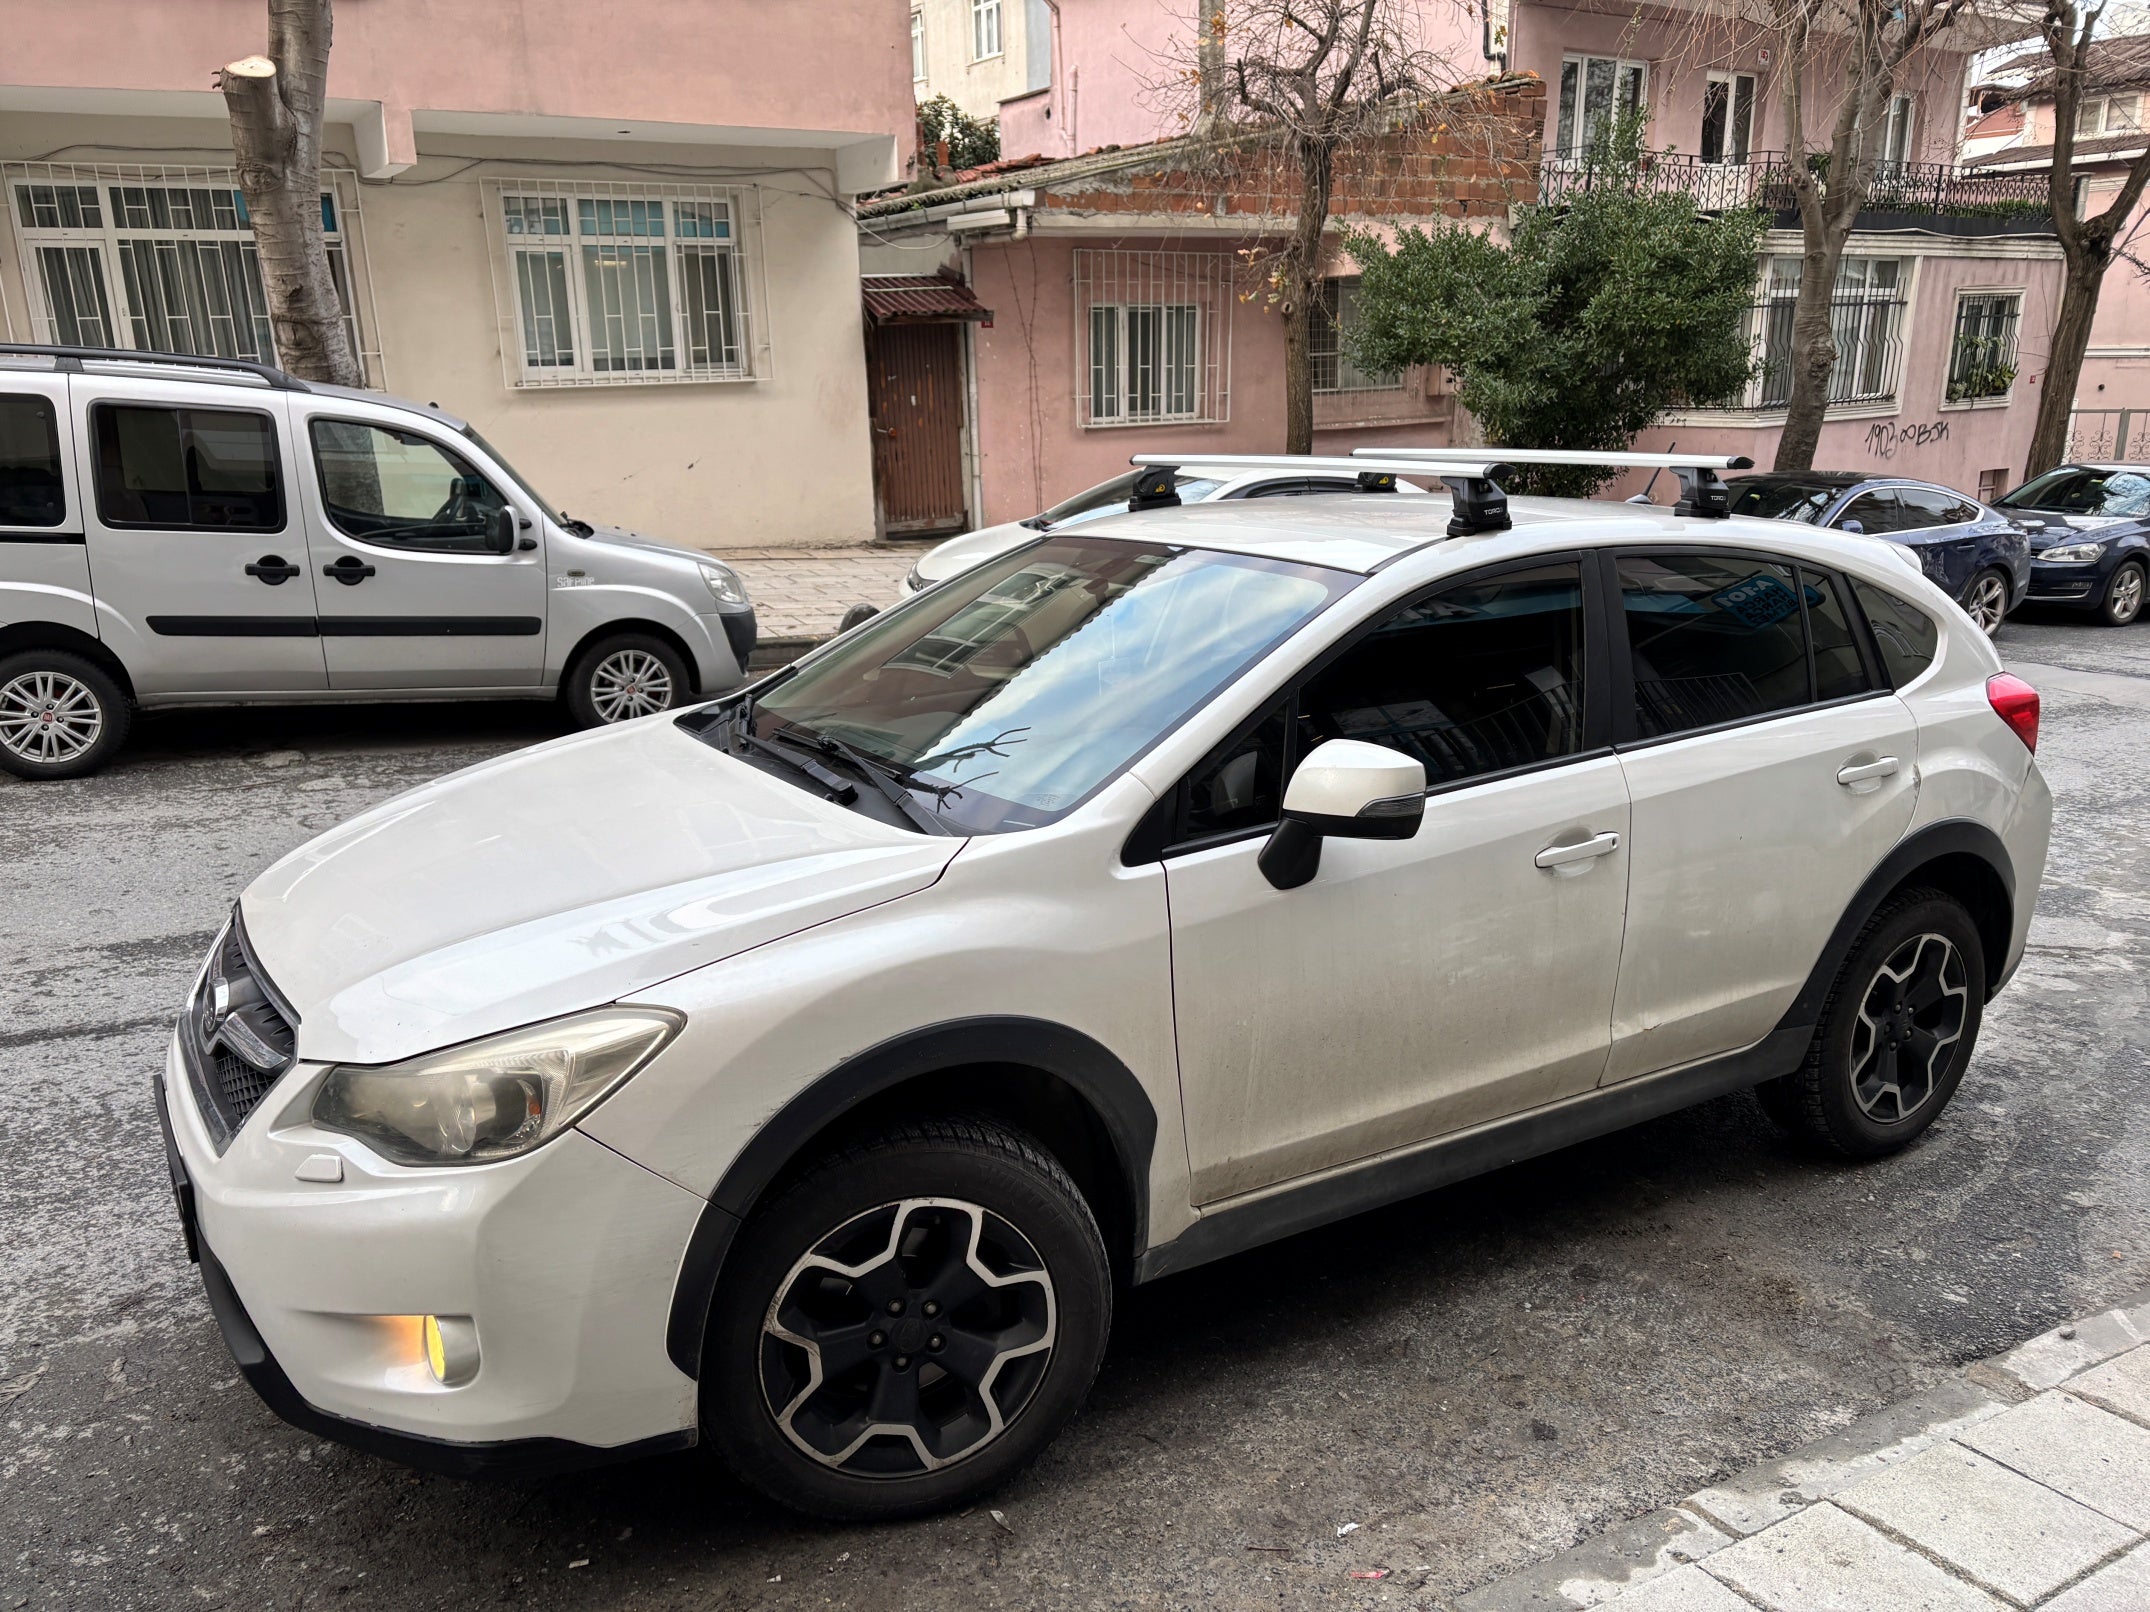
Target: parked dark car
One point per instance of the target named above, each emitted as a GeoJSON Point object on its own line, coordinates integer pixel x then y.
{"type": "Point", "coordinates": [1979, 556]}
{"type": "Point", "coordinates": [2090, 537]}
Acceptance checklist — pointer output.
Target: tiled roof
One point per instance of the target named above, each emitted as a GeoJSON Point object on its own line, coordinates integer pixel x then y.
{"type": "Point", "coordinates": [2039, 156]}
{"type": "Point", "coordinates": [919, 296]}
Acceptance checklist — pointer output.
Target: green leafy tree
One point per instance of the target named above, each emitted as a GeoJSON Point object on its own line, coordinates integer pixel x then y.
{"type": "Point", "coordinates": [1598, 315]}
{"type": "Point", "coordinates": [971, 141]}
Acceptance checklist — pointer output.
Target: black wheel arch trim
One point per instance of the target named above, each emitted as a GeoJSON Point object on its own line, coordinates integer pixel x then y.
{"type": "Point", "coordinates": [1096, 1075]}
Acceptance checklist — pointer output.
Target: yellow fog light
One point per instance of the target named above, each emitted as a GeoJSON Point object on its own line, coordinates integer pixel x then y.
{"type": "Point", "coordinates": [451, 1348]}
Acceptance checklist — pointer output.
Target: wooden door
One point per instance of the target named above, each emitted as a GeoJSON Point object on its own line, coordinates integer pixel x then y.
{"type": "Point", "coordinates": [917, 381]}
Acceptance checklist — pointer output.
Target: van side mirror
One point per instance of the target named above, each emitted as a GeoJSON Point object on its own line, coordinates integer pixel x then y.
{"type": "Point", "coordinates": [501, 530]}
{"type": "Point", "coordinates": [1351, 790]}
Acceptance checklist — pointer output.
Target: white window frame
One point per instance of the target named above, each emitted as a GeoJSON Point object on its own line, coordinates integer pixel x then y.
{"type": "Point", "coordinates": [1868, 313]}
{"type": "Point", "coordinates": [1899, 132]}
{"type": "Point", "coordinates": [105, 246]}
{"type": "Point", "coordinates": [985, 37]}
{"type": "Point", "coordinates": [2109, 114]}
{"type": "Point", "coordinates": [1190, 297]}
{"type": "Point", "coordinates": [1739, 140]}
{"type": "Point", "coordinates": [2013, 352]}
{"type": "Point", "coordinates": [1571, 131]}
{"type": "Point", "coordinates": [571, 315]}
{"type": "Point", "coordinates": [918, 47]}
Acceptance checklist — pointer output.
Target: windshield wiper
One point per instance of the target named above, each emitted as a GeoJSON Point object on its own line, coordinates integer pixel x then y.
{"type": "Point", "coordinates": [886, 776]}
{"type": "Point", "coordinates": [840, 790]}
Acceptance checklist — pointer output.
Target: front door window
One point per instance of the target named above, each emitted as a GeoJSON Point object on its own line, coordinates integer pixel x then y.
{"type": "Point", "coordinates": [397, 487]}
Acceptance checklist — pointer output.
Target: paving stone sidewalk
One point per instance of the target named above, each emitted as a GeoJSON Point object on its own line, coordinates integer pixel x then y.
{"type": "Point", "coordinates": [2022, 1482]}
{"type": "Point", "coordinates": [801, 594]}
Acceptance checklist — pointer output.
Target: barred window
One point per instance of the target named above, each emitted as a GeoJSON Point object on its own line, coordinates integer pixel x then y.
{"type": "Point", "coordinates": [162, 260]}
{"type": "Point", "coordinates": [617, 284]}
{"type": "Point", "coordinates": [1865, 318]}
{"type": "Point", "coordinates": [1334, 312]}
{"type": "Point", "coordinates": [1154, 334]}
{"type": "Point", "coordinates": [1982, 357]}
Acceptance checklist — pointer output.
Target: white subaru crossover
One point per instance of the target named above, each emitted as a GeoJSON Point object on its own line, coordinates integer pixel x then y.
{"type": "Point", "coordinates": [806, 1071]}
{"type": "Point", "coordinates": [178, 530]}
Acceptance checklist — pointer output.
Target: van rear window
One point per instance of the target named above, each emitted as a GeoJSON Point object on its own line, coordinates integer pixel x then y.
{"type": "Point", "coordinates": [200, 470]}
{"type": "Point", "coordinates": [30, 490]}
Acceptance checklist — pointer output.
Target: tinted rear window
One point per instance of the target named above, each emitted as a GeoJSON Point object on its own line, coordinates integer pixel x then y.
{"type": "Point", "coordinates": [1773, 500]}
{"type": "Point", "coordinates": [30, 490]}
{"type": "Point", "coordinates": [187, 469]}
{"type": "Point", "coordinates": [1906, 635]}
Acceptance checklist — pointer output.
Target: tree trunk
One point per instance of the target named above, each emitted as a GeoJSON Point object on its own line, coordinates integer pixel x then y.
{"type": "Point", "coordinates": [1302, 284]}
{"type": "Point", "coordinates": [275, 103]}
{"type": "Point", "coordinates": [2080, 284]}
{"type": "Point", "coordinates": [1813, 355]}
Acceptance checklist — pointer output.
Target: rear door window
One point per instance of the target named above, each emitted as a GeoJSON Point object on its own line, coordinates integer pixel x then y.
{"type": "Point", "coordinates": [1839, 669]}
{"type": "Point", "coordinates": [1924, 507]}
{"type": "Point", "coordinates": [1906, 636]}
{"type": "Point", "coordinates": [1875, 512]}
{"type": "Point", "coordinates": [1711, 639]}
{"type": "Point", "coordinates": [177, 470]}
{"type": "Point", "coordinates": [31, 493]}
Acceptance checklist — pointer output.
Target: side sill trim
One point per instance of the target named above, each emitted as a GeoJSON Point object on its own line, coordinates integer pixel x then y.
{"type": "Point", "coordinates": [1595, 1113]}
{"type": "Point", "coordinates": [346, 626]}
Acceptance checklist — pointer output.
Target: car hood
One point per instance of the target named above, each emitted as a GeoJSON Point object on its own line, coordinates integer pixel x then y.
{"type": "Point", "coordinates": [620, 537]}
{"type": "Point", "coordinates": [959, 554]}
{"type": "Point", "coordinates": [2047, 527]}
{"type": "Point", "coordinates": [557, 878]}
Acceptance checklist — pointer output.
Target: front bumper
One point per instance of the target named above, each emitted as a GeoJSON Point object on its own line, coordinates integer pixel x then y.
{"type": "Point", "coordinates": [565, 1259]}
{"type": "Point", "coordinates": [2082, 584]}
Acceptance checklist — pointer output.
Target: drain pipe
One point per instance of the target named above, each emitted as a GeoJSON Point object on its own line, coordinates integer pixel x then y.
{"type": "Point", "coordinates": [1053, 67]}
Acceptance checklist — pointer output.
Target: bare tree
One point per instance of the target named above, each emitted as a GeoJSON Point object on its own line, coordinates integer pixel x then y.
{"type": "Point", "coordinates": [2088, 244]}
{"type": "Point", "coordinates": [275, 103]}
{"type": "Point", "coordinates": [1318, 74]}
{"type": "Point", "coordinates": [1870, 40]}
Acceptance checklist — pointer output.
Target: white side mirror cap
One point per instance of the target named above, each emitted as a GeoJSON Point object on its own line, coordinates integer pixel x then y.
{"type": "Point", "coordinates": [1341, 779]}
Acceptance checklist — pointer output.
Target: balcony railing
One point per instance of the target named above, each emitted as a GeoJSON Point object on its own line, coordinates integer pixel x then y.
{"type": "Point", "coordinates": [1764, 180]}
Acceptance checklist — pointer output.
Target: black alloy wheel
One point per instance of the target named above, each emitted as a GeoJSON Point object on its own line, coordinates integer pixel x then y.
{"type": "Point", "coordinates": [907, 1324]}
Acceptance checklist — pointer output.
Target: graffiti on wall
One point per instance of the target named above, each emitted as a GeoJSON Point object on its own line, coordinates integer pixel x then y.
{"type": "Point", "coordinates": [1884, 437]}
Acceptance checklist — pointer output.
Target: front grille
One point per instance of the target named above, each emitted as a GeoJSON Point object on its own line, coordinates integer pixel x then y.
{"type": "Point", "coordinates": [237, 1034]}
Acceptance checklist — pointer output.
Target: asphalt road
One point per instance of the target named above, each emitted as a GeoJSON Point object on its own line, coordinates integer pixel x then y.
{"type": "Point", "coordinates": [1477, 1378]}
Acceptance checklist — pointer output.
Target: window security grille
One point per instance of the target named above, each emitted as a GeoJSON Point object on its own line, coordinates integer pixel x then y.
{"type": "Point", "coordinates": [1336, 312]}
{"type": "Point", "coordinates": [1982, 357]}
{"type": "Point", "coordinates": [1865, 318]}
{"type": "Point", "coordinates": [605, 284]}
{"type": "Point", "coordinates": [1154, 331]}
{"type": "Point", "coordinates": [160, 258]}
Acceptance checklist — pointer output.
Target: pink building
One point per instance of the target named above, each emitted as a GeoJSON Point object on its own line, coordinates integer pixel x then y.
{"type": "Point", "coordinates": [616, 239]}
{"type": "Point", "coordinates": [2016, 138]}
{"type": "Point", "coordinates": [1947, 292]}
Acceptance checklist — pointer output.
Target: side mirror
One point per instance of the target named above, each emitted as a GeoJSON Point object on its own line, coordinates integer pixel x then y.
{"type": "Point", "coordinates": [1858, 527]}
{"type": "Point", "coordinates": [1348, 789]}
{"type": "Point", "coordinates": [500, 530]}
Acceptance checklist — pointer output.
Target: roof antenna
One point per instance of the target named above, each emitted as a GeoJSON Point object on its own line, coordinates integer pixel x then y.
{"type": "Point", "coordinates": [1644, 497]}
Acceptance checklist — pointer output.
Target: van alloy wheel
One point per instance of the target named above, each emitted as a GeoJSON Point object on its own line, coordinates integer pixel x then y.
{"type": "Point", "coordinates": [1907, 1029]}
{"type": "Point", "coordinates": [630, 683]}
{"type": "Point", "coordinates": [908, 1338]}
{"type": "Point", "coordinates": [49, 717]}
{"type": "Point", "coordinates": [1987, 601]}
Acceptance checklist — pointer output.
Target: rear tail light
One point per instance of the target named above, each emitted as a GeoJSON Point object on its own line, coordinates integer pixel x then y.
{"type": "Point", "coordinates": [2015, 702]}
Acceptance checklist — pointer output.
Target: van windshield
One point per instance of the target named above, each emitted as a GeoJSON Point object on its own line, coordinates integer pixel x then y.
{"type": "Point", "coordinates": [515, 475]}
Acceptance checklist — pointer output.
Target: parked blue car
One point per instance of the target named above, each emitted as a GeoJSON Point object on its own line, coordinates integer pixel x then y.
{"type": "Point", "coordinates": [2090, 537]}
{"type": "Point", "coordinates": [1979, 556]}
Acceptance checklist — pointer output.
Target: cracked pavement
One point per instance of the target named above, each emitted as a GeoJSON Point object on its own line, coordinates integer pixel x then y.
{"type": "Point", "coordinates": [1477, 1378]}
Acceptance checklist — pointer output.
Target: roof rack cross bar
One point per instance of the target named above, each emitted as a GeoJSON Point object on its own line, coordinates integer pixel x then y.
{"type": "Point", "coordinates": [1473, 480]}
{"type": "Point", "coordinates": [1668, 460]}
{"type": "Point", "coordinates": [130, 355]}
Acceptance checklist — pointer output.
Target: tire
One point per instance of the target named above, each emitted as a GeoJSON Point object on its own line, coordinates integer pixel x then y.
{"type": "Point", "coordinates": [1985, 600]}
{"type": "Point", "coordinates": [923, 1187]}
{"type": "Point", "coordinates": [857, 615]}
{"type": "Point", "coordinates": [625, 676]}
{"type": "Point", "coordinates": [61, 715]}
{"type": "Point", "coordinates": [2123, 601]}
{"type": "Point", "coordinates": [1841, 1098]}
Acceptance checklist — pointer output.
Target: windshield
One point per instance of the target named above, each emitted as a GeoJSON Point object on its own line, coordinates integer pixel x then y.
{"type": "Point", "coordinates": [1009, 694]}
{"type": "Point", "coordinates": [1110, 498]}
{"type": "Point", "coordinates": [1774, 500]}
{"type": "Point", "coordinates": [2072, 491]}
{"type": "Point", "coordinates": [513, 474]}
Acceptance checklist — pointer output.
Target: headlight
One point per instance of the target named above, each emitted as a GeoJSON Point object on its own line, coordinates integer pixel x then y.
{"type": "Point", "coordinates": [2072, 553]}
{"type": "Point", "coordinates": [494, 1098]}
{"type": "Point", "coordinates": [724, 584]}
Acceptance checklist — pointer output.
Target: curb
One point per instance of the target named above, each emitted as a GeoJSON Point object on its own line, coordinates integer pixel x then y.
{"type": "Point", "coordinates": [1713, 1519]}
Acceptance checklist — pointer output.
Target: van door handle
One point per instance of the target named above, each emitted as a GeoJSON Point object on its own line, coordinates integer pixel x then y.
{"type": "Point", "coordinates": [272, 570]}
{"type": "Point", "coordinates": [1556, 856]}
{"type": "Point", "coordinates": [1865, 770]}
{"type": "Point", "coordinates": [350, 570]}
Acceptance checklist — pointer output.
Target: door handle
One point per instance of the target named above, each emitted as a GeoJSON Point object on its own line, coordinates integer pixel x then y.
{"type": "Point", "coordinates": [1865, 770]}
{"type": "Point", "coordinates": [1559, 856]}
{"type": "Point", "coordinates": [350, 570]}
{"type": "Point", "coordinates": [272, 569]}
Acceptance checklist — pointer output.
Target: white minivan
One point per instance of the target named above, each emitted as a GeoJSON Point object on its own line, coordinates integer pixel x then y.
{"type": "Point", "coordinates": [196, 531]}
